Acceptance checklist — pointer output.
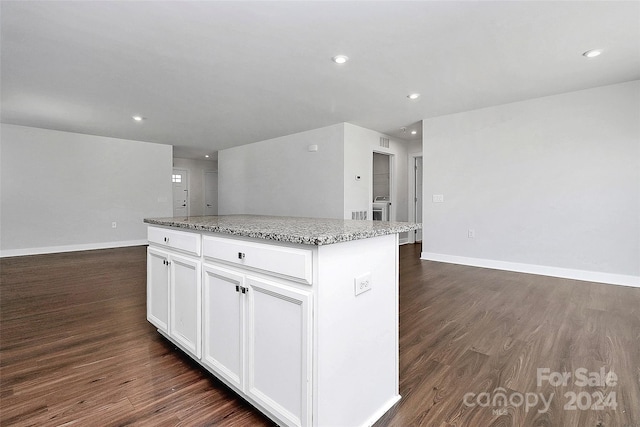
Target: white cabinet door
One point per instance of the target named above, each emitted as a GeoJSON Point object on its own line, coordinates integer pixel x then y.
{"type": "Point", "coordinates": [278, 349]}
{"type": "Point", "coordinates": [158, 288]}
{"type": "Point", "coordinates": [223, 318]}
{"type": "Point", "coordinates": [185, 303]}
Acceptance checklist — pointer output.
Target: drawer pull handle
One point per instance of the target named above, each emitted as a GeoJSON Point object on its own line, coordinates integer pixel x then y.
{"type": "Point", "coordinates": [241, 255]}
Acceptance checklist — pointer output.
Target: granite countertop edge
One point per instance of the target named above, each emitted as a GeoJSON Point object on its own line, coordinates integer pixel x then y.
{"type": "Point", "coordinates": [289, 233]}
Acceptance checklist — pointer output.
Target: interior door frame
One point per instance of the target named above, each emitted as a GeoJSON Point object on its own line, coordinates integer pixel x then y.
{"type": "Point", "coordinates": [392, 184]}
{"type": "Point", "coordinates": [412, 190]}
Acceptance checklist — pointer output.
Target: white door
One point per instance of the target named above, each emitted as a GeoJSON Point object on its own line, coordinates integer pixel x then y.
{"type": "Point", "coordinates": [180, 180]}
{"type": "Point", "coordinates": [279, 357]}
{"type": "Point", "coordinates": [418, 196]}
{"type": "Point", "coordinates": [223, 317]}
{"type": "Point", "coordinates": [185, 303]}
{"type": "Point", "coordinates": [211, 193]}
{"type": "Point", "coordinates": [158, 289]}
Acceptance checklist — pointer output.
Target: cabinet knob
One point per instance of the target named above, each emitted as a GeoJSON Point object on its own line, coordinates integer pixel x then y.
{"type": "Point", "coordinates": [166, 240]}
{"type": "Point", "coordinates": [241, 255]}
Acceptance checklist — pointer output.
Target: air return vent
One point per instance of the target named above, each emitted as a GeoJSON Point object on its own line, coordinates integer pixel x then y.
{"type": "Point", "coordinates": [384, 142]}
{"type": "Point", "coordinates": [358, 214]}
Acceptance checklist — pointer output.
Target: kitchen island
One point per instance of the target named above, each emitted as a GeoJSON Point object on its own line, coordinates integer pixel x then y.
{"type": "Point", "coordinates": [299, 316]}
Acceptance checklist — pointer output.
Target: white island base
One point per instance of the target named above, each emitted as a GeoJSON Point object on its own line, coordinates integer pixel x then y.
{"type": "Point", "coordinates": [280, 323]}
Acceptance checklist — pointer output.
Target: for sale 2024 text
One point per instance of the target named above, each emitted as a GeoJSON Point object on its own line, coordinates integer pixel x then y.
{"type": "Point", "coordinates": [582, 377]}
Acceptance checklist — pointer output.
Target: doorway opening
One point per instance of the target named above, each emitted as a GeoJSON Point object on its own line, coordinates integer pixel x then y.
{"type": "Point", "coordinates": [382, 187]}
{"type": "Point", "coordinates": [415, 194]}
{"type": "Point", "coordinates": [211, 193]}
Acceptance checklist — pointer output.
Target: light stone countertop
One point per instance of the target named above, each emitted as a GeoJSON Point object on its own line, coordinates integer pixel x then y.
{"type": "Point", "coordinates": [308, 231]}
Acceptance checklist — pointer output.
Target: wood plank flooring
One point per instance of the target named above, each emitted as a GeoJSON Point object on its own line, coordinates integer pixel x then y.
{"type": "Point", "coordinates": [76, 349]}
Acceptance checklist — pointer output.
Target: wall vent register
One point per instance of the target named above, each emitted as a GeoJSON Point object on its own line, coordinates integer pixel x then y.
{"type": "Point", "coordinates": [358, 214]}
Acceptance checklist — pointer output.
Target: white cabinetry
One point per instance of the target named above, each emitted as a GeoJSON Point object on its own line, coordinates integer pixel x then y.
{"type": "Point", "coordinates": [279, 354]}
{"type": "Point", "coordinates": [158, 289]}
{"type": "Point", "coordinates": [280, 261]}
{"type": "Point", "coordinates": [224, 324]}
{"type": "Point", "coordinates": [281, 324]}
{"type": "Point", "coordinates": [174, 288]}
{"type": "Point", "coordinates": [185, 303]}
{"type": "Point", "coordinates": [257, 333]}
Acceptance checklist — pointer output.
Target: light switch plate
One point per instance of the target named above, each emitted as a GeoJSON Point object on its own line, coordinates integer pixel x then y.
{"type": "Point", "coordinates": [438, 198]}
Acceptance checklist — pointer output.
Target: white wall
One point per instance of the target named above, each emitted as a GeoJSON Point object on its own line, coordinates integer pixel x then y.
{"type": "Point", "coordinates": [414, 147]}
{"type": "Point", "coordinates": [359, 146]}
{"type": "Point", "coordinates": [61, 191]}
{"type": "Point", "coordinates": [550, 185]}
{"type": "Point", "coordinates": [281, 177]}
{"type": "Point", "coordinates": [196, 169]}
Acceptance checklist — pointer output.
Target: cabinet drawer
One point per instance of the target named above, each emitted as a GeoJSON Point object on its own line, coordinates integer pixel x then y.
{"type": "Point", "coordinates": [292, 263]}
{"type": "Point", "coordinates": [181, 240]}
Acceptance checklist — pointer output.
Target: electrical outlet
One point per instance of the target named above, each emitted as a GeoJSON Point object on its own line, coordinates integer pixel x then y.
{"type": "Point", "coordinates": [362, 283]}
{"type": "Point", "coordinates": [471, 233]}
{"type": "Point", "coordinates": [114, 225]}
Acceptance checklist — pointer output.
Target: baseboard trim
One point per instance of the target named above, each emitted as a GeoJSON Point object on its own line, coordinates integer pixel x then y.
{"type": "Point", "coordinates": [70, 248]}
{"type": "Point", "coordinates": [542, 270]}
{"type": "Point", "coordinates": [382, 410]}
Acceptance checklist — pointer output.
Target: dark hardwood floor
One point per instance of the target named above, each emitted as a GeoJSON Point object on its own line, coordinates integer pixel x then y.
{"type": "Point", "coordinates": [76, 349]}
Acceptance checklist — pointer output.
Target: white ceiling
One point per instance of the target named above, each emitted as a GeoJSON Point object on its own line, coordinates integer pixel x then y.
{"type": "Point", "coordinates": [211, 75]}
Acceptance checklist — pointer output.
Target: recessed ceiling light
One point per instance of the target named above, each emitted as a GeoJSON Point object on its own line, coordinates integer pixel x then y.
{"type": "Point", "coordinates": [413, 132]}
{"type": "Point", "coordinates": [413, 96]}
{"type": "Point", "coordinates": [592, 53]}
{"type": "Point", "coordinates": [138, 118]}
{"type": "Point", "coordinates": [206, 155]}
{"type": "Point", "coordinates": [340, 59]}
